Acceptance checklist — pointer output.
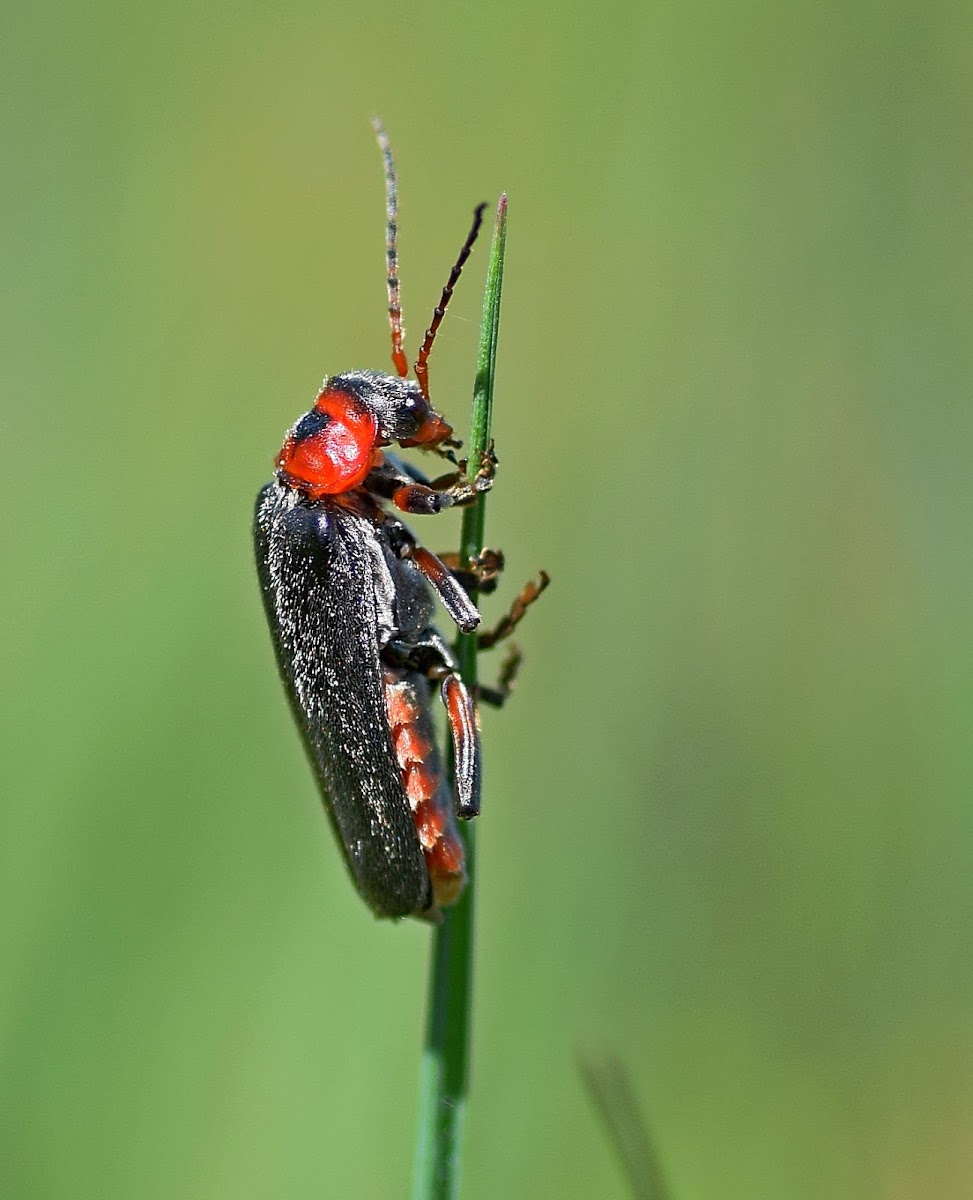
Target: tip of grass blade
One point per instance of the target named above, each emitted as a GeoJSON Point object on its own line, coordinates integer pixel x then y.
{"type": "Point", "coordinates": [471, 541]}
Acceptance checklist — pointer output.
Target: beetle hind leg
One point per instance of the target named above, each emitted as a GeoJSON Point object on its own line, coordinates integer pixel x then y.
{"type": "Point", "coordinates": [431, 657]}
{"type": "Point", "coordinates": [518, 610]}
{"type": "Point", "coordinates": [497, 695]}
{"type": "Point", "coordinates": [413, 743]}
{"type": "Point", "coordinates": [461, 717]}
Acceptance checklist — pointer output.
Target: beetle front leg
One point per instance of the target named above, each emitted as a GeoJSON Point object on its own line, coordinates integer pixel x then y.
{"type": "Point", "coordinates": [410, 495]}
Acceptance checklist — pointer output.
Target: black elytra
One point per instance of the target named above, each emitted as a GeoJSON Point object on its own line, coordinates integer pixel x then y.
{"type": "Point", "coordinates": [344, 611]}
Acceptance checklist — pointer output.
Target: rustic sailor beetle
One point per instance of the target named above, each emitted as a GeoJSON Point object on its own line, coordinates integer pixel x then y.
{"type": "Point", "coordinates": [349, 595]}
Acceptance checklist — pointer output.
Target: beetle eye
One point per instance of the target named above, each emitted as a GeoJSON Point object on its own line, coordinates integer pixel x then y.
{"type": "Point", "coordinates": [407, 415]}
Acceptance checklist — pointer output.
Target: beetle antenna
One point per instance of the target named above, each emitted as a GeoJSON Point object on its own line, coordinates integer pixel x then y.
{"type": "Point", "coordinates": [391, 248]}
{"type": "Point", "coordinates": [422, 370]}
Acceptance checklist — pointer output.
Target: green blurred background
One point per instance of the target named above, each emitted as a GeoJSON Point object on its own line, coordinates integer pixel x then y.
{"type": "Point", "coordinates": [727, 827]}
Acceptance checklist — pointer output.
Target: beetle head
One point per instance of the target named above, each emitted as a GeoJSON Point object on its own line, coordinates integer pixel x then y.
{"type": "Point", "coordinates": [403, 413]}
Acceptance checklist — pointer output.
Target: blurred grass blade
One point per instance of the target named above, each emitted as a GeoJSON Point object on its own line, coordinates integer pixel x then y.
{"type": "Point", "coordinates": [444, 1076]}
{"type": "Point", "coordinates": [471, 537]}
{"type": "Point", "coordinates": [611, 1091]}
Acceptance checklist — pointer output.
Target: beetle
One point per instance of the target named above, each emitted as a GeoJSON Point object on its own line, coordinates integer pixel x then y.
{"type": "Point", "coordinates": [349, 596]}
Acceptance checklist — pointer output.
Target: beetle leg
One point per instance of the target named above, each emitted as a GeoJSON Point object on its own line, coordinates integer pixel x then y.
{"type": "Point", "coordinates": [509, 622]}
{"type": "Point", "coordinates": [429, 656]}
{"type": "Point", "coordinates": [461, 716]}
{"type": "Point", "coordinates": [393, 475]}
{"type": "Point", "coordinates": [395, 468]}
{"type": "Point", "coordinates": [478, 574]}
{"type": "Point", "coordinates": [432, 658]}
{"type": "Point", "coordinates": [497, 695]}
{"type": "Point", "coordinates": [409, 492]}
{"type": "Point", "coordinates": [447, 587]}
{"type": "Point", "coordinates": [394, 471]}
{"type": "Point", "coordinates": [451, 590]}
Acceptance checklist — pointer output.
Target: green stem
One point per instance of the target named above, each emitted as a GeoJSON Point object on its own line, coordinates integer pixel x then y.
{"type": "Point", "coordinates": [444, 1078]}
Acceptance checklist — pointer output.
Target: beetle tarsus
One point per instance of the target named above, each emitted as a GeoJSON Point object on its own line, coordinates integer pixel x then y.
{"type": "Point", "coordinates": [509, 622]}
{"type": "Point", "coordinates": [498, 694]}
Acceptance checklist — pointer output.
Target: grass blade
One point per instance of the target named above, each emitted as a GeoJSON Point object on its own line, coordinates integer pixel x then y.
{"type": "Point", "coordinates": [445, 1071]}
